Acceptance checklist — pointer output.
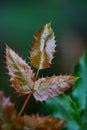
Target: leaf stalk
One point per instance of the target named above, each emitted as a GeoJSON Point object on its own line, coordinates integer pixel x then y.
{"type": "Point", "coordinates": [25, 103]}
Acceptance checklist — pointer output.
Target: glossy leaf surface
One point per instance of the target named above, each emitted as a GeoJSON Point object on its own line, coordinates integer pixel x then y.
{"type": "Point", "coordinates": [52, 86]}
{"type": "Point", "coordinates": [23, 79]}
{"type": "Point", "coordinates": [74, 108]}
{"type": "Point", "coordinates": [43, 47]}
{"type": "Point", "coordinates": [21, 75]}
{"type": "Point", "coordinates": [79, 92]}
{"type": "Point", "coordinates": [63, 107]}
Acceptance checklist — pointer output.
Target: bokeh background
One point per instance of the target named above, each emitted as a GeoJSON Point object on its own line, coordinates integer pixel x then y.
{"type": "Point", "coordinates": [19, 22]}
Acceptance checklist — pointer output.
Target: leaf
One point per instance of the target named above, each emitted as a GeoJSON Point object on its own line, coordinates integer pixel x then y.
{"type": "Point", "coordinates": [23, 80]}
{"type": "Point", "coordinates": [43, 48]}
{"type": "Point", "coordinates": [40, 122]}
{"type": "Point", "coordinates": [79, 93]}
{"type": "Point", "coordinates": [21, 75]}
{"type": "Point", "coordinates": [52, 86]}
{"type": "Point", "coordinates": [58, 106]}
{"type": "Point", "coordinates": [7, 112]}
{"type": "Point", "coordinates": [6, 107]}
{"type": "Point", "coordinates": [64, 107]}
{"type": "Point", "coordinates": [10, 121]}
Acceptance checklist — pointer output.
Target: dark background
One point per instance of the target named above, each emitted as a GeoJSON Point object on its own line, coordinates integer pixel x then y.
{"type": "Point", "coordinates": [19, 22]}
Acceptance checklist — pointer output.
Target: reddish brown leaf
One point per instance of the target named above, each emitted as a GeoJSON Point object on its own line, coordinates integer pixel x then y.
{"type": "Point", "coordinates": [37, 122]}
{"type": "Point", "coordinates": [22, 78]}
{"type": "Point", "coordinates": [8, 113]}
{"type": "Point", "coordinates": [7, 109]}
{"type": "Point", "coordinates": [43, 48]}
{"type": "Point", "coordinates": [9, 119]}
{"type": "Point", "coordinates": [6, 106]}
{"type": "Point", "coordinates": [52, 86]}
{"type": "Point", "coordinates": [21, 75]}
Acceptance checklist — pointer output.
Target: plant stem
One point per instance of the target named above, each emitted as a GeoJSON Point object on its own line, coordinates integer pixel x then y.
{"type": "Point", "coordinates": [37, 73]}
{"type": "Point", "coordinates": [28, 97]}
{"type": "Point", "coordinates": [25, 103]}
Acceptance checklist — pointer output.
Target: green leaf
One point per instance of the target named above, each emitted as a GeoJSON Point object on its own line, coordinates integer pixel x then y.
{"type": "Point", "coordinates": [79, 92]}
{"type": "Point", "coordinates": [74, 109]}
{"type": "Point", "coordinates": [63, 107]}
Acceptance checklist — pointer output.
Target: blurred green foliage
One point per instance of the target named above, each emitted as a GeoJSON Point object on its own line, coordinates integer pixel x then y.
{"type": "Point", "coordinates": [73, 108]}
